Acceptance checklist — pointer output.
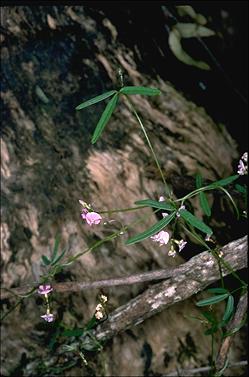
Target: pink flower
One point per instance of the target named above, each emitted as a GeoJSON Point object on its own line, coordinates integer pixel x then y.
{"type": "Point", "coordinates": [93, 218]}
{"type": "Point", "coordinates": [242, 168]}
{"type": "Point", "coordinates": [48, 317]}
{"type": "Point", "coordinates": [162, 238]}
{"type": "Point", "coordinates": [84, 213]}
{"type": "Point", "coordinates": [45, 289]}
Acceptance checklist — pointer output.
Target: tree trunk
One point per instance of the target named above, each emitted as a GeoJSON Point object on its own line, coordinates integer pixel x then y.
{"type": "Point", "coordinates": [53, 58]}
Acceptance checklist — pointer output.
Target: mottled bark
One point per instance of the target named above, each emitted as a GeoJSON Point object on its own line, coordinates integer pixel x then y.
{"type": "Point", "coordinates": [53, 58]}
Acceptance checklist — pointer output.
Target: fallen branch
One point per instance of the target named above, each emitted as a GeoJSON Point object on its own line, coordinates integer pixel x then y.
{"type": "Point", "coordinates": [190, 372]}
{"type": "Point", "coordinates": [226, 344]}
{"type": "Point", "coordinates": [170, 272]}
{"type": "Point", "coordinates": [75, 286]}
{"type": "Point", "coordinates": [196, 274]}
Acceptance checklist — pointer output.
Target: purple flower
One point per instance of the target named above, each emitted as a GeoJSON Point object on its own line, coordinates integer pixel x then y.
{"type": "Point", "coordinates": [84, 213]}
{"type": "Point", "coordinates": [162, 238]}
{"type": "Point", "coordinates": [93, 218]}
{"type": "Point", "coordinates": [242, 168]}
{"type": "Point", "coordinates": [48, 317]}
{"type": "Point", "coordinates": [45, 289]}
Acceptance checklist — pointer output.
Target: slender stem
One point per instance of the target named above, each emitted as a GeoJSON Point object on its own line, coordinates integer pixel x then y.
{"type": "Point", "coordinates": [122, 209]}
{"type": "Point", "coordinates": [167, 190]}
{"type": "Point", "coordinates": [225, 264]}
{"type": "Point", "coordinates": [212, 352]}
{"type": "Point", "coordinates": [108, 238]}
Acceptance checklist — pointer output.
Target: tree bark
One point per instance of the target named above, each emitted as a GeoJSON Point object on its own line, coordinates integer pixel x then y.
{"type": "Point", "coordinates": [53, 58]}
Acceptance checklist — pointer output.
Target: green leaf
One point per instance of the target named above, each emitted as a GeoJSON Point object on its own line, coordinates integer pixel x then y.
{"type": "Point", "coordinates": [186, 10]}
{"type": "Point", "coordinates": [104, 118]}
{"type": "Point", "coordinates": [203, 199]}
{"type": "Point", "coordinates": [176, 48]}
{"type": "Point", "coordinates": [192, 30]}
{"type": "Point", "coordinates": [211, 330]}
{"type": "Point", "coordinates": [139, 90]}
{"type": "Point", "coordinates": [56, 260]}
{"type": "Point", "coordinates": [209, 316]}
{"type": "Point", "coordinates": [75, 332]}
{"type": "Point", "coordinates": [204, 204]}
{"type": "Point", "coordinates": [151, 231]}
{"type": "Point", "coordinates": [195, 222]}
{"type": "Point", "coordinates": [55, 249]}
{"type": "Point", "coordinates": [40, 93]}
{"type": "Point", "coordinates": [94, 100]}
{"type": "Point", "coordinates": [212, 300]}
{"type": "Point", "coordinates": [155, 204]}
{"type": "Point", "coordinates": [241, 189]}
{"type": "Point", "coordinates": [223, 182]}
{"type": "Point", "coordinates": [45, 260]}
{"type": "Point", "coordinates": [229, 309]}
{"type": "Point", "coordinates": [217, 290]}
{"type": "Point", "coordinates": [198, 181]}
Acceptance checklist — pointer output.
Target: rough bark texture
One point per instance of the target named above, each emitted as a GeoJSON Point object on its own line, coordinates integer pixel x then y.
{"type": "Point", "coordinates": [53, 58]}
{"type": "Point", "coordinates": [192, 277]}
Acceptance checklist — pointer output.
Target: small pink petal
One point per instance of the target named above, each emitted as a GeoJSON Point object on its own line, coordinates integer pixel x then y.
{"type": "Point", "coordinates": [93, 218]}
{"type": "Point", "coordinates": [45, 289]}
{"type": "Point", "coordinates": [161, 237]}
{"type": "Point", "coordinates": [84, 213]}
{"type": "Point", "coordinates": [48, 317]}
{"type": "Point", "coordinates": [161, 199]}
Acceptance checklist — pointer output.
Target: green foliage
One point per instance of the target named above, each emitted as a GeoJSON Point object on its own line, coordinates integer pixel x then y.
{"type": "Point", "coordinates": [217, 290]}
{"type": "Point", "coordinates": [156, 204]}
{"type": "Point", "coordinates": [203, 198]}
{"type": "Point", "coordinates": [75, 332]}
{"type": "Point", "coordinates": [130, 90]}
{"type": "Point", "coordinates": [228, 311]}
{"type": "Point", "coordinates": [222, 182]}
{"type": "Point", "coordinates": [195, 222]}
{"type": "Point", "coordinates": [187, 10]}
{"type": "Point", "coordinates": [212, 300]}
{"type": "Point", "coordinates": [55, 258]}
{"type": "Point", "coordinates": [105, 118]}
{"type": "Point", "coordinates": [191, 30]}
{"type": "Point", "coordinates": [188, 30]}
{"type": "Point", "coordinates": [151, 231]}
{"type": "Point", "coordinates": [176, 47]}
{"type": "Point", "coordinates": [94, 100]}
{"type": "Point", "coordinates": [241, 189]}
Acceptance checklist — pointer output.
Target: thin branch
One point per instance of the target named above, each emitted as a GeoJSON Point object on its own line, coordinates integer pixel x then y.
{"type": "Point", "coordinates": [196, 274]}
{"type": "Point", "coordinates": [227, 342]}
{"type": "Point", "coordinates": [74, 286]}
{"type": "Point", "coordinates": [190, 372]}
